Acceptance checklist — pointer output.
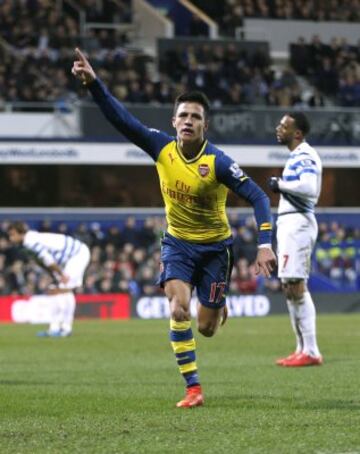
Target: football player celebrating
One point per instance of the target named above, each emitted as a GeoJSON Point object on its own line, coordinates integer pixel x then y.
{"type": "Point", "coordinates": [196, 251]}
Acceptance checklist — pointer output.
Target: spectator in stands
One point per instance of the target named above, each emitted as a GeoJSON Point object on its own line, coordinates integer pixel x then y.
{"type": "Point", "coordinates": [62, 228]}
{"type": "Point", "coordinates": [245, 244]}
{"type": "Point", "coordinates": [90, 284]}
{"type": "Point", "coordinates": [130, 233]}
{"type": "Point", "coordinates": [237, 95]}
{"type": "Point", "coordinates": [246, 279]}
{"type": "Point", "coordinates": [147, 235]}
{"type": "Point", "coordinates": [299, 56]}
{"type": "Point", "coordinates": [16, 276]}
{"type": "Point", "coordinates": [146, 277]}
{"type": "Point", "coordinates": [316, 99]}
{"type": "Point", "coordinates": [326, 76]}
{"type": "Point", "coordinates": [164, 91]}
{"type": "Point", "coordinates": [233, 20]}
{"type": "Point", "coordinates": [97, 235]}
{"type": "Point", "coordinates": [82, 233]}
{"type": "Point", "coordinates": [5, 288]}
{"type": "Point", "coordinates": [113, 236]}
{"type": "Point", "coordinates": [349, 93]}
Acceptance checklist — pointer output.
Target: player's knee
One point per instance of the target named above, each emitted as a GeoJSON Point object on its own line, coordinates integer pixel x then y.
{"type": "Point", "coordinates": [207, 329]}
{"type": "Point", "coordinates": [294, 289]}
{"type": "Point", "coordinates": [178, 312]}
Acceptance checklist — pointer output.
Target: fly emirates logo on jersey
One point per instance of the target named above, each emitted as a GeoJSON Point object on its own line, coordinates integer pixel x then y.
{"type": "Point", "coordinates": [183, 193]}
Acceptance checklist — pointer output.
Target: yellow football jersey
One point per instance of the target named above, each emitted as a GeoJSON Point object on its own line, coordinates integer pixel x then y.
{"type": "Point", "coordinates": [194, 200]}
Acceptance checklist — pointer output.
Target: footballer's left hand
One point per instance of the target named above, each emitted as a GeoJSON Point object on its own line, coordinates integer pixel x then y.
{"type": "Point", "coordinates": [265, 261]}
{"type": "Point", "coordinates": [273, 183]}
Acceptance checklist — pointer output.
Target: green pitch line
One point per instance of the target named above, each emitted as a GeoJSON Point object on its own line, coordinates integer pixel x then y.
{"type": "Point", "coordinates": [112, 388]}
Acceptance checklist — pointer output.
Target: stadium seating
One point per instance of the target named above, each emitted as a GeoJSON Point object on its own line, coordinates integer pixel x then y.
{"type": "Point", "coordinates": [125, 257]}
{"type": "Point", "coordinates": [42, 60]}
{"type": "Point", "coordinates": [230, 13]}
{"type": "Point", "coordinates": [334, 68]}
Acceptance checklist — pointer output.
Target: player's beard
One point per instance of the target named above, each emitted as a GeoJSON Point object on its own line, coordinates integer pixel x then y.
{"type": "Point", "coordinates": [283, 141]}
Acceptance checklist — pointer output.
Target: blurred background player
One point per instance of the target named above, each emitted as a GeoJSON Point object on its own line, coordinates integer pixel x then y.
{"type": "Point", "coordinates": [66, 259]}
{"type": "Point", "coordinates": [297, 229]}
{"type": "Point", "coordinates": [197, 247]}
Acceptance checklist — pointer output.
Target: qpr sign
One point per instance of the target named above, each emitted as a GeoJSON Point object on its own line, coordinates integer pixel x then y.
{"type": "Point", "coordinates": [238, 306]}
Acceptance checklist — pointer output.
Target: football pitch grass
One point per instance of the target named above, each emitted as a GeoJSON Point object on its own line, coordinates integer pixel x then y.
{"type": "Point", "coordinates": [112, 388]}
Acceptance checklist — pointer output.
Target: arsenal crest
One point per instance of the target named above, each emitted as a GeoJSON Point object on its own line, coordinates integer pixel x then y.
{"type": "Point", "coordinates": [204, 170]}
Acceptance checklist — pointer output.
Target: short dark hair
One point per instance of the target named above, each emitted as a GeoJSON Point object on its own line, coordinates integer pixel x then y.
{"type": "Point", "coordinates": [301, 121]}
{"type": "Point", "coordinates": [19, 226]}
{"type": "Point", "coordinates": [193, 96]}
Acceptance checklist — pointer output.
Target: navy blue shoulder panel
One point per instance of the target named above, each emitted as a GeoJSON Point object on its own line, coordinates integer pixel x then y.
{"type": "Point", "coordinates": [229, 173]}
{"type": "Point", "coordinates": [227, 170]}
{"type": "Point", "coordinates": [150, 140]}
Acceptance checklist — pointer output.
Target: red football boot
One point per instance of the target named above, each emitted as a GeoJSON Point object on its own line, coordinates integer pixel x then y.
{"type": "Point", "coordinates": [193, 398]}
{"type": "Point", "coordinates": [303, 360]}
{"type": "Point", "coordinates": [280, 361]}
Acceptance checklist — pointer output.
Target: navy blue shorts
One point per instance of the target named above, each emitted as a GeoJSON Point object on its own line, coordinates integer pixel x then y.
{"type": "Point", "coordinates": [207, 267]}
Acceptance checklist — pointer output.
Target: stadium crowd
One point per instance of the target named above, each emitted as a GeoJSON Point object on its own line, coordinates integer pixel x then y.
{"type": "Point", "coordinates": [230, 75]}
{"type": "Point", "coordinates": [38, 38]}
{"type": "Point", "coordinates": [334, 68]}
{"type": "Point", "coordinates": [337, 255]}
{"type": "Point", "coordinates": [41, 36]}
{"type": "Point", "coordinates": [231, 13]}
{"type": "Point", "coordinates": [125, 257]}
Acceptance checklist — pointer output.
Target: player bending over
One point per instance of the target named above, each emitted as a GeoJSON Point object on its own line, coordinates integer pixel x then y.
{"type": "Point", "coordinates": [66, 259]}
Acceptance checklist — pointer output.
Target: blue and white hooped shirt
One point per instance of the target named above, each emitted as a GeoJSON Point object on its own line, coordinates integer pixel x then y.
{"type": "Point", "coordinates": [51, 248]}
{"type": "Point", "coordinates": [300, 185]}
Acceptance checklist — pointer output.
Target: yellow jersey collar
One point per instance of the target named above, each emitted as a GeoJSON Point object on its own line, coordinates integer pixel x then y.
{"type": "Point", "coordinates": [196, 157]}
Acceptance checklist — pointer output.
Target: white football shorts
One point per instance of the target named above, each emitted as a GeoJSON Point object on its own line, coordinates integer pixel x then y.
{"type": "Point", "coordinates": [296, 237]}
{"type": "Point", "coordinates": [75, 268]}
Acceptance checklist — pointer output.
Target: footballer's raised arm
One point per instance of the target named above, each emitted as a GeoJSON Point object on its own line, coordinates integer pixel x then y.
{"type": "Point", "coordinates": [149, 140]}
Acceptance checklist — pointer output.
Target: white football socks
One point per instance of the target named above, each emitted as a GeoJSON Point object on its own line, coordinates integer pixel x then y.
{"type": "Point", "coordinates": [305, 322]}
{"type": "Point", "coordinates": [68, 312]}
{"type": "Point", "coordinates": [294, 323]}
{"type": "Point", "coordinates": [56, 313]}
{"type": "Point", "coordinates": [62, 315]}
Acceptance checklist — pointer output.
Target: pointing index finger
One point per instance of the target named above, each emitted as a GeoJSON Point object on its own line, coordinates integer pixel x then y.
{"type": "Point", "coordinates": [80, 55]}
